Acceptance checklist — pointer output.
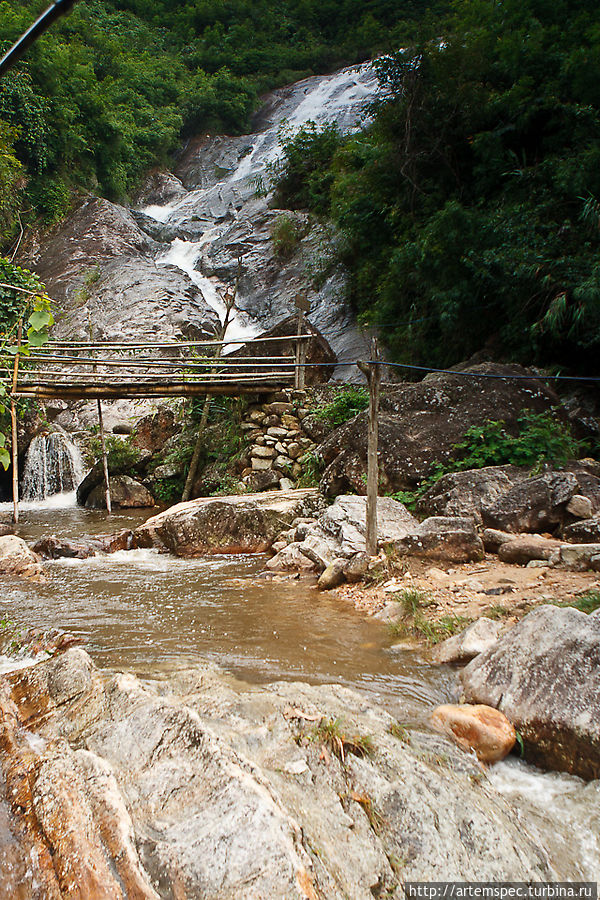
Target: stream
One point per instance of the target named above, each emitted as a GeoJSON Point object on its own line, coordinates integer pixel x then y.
{"type": "Point", "coordinates": [152, 613]}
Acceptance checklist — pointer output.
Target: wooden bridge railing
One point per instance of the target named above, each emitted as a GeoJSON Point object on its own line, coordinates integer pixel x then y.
{"type": "Point", "coordinates": [134, 369]}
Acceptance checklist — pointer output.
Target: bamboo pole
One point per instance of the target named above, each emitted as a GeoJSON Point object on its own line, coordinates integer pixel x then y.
{"type": "Point", "coordinates": [102, 440]}
{"type": "Point", "coordinates": [14, 430]}
{"type": "Point", "coordinates": [372, 370]}
{"type": "Point", "coordinates": [191, 475]}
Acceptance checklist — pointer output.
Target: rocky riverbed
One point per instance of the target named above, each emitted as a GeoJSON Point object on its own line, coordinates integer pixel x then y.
{"type": "Point", "coordinates": [207, 786]}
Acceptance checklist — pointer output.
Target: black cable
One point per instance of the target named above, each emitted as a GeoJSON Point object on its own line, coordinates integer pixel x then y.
{"type": "Point", "coordinates": [58, 8]}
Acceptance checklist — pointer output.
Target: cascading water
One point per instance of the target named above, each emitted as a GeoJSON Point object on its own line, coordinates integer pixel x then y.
{"type": "Point", "coordinates": [53, 465]}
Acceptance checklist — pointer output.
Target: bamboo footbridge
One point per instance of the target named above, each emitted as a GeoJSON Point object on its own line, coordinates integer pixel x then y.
{"type": "Point", "coordinates": [85, 370]}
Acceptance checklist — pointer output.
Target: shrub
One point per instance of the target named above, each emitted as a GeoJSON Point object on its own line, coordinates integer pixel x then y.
{"type": "Point", "coordinates": [344, 406]}
{"type": "Point", "coordinates": [286, 234]}
{"type": "Point", "coordinates": [121, 453]}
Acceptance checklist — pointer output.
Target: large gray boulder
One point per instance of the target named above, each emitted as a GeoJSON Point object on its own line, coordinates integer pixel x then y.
{"type": "Point", "coordinates": [340, 532]}
{"type": "Point", "coordinates": [543, 502]}
{"type": "Point", "coordinates": [241, 523]}
{"type": "Point", "coordinates": [544, 675]}
{"type": "Point", "coordinates": [421, 423]}
{"type": "Point", "coordinates": [449, 538]}
{"type": "Point", "coordinates": [464, 493]}
{"type": "Point", "coordinates": [206, 787]}
{"type": "Point", "coordinates": [125, 493]}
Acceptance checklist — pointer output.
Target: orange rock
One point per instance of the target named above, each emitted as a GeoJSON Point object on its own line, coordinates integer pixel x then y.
{"type": "Point", "coordinates": [483, 729]}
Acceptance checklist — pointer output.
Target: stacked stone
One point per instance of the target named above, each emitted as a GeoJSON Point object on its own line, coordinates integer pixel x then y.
{"type": "Point", "coordinates": [277, 443]}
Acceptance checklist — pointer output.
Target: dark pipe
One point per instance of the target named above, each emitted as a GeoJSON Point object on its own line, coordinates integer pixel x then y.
{"type": "Point", "coordinates": [54, 12]}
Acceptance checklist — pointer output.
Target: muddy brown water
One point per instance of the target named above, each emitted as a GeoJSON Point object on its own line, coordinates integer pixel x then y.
{"type": "Point", "coordinates": [149, 612]}
{"type": "Point", "coordinates": [152, 613]}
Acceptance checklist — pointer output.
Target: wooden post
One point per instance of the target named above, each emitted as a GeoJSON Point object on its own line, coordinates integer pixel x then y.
{"type": "Point", "coordinates": [303, 306]}
{"type": "Point", "coordinates": [102, 439]}
{"type": "Point", "coordinates": [104, 460]}
{"type": "Point", "coordinates": [15, 463]}
{"type": "Point", "coordinates": [229, 301]}
{"type": "Point", "coordinates": [14, 431]}
{"type": "Point", "coordinates": [372, 370]}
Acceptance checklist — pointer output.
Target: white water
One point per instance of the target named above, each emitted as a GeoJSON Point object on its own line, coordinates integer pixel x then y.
{"type": "Point", "coordinates": [53, 465]}
{"type": "Point", "coordinates": [559, 804]}
{"type": "Point", "coordinates": [341, 98]}
{"type": "Point", "coordinates": [185, 255]}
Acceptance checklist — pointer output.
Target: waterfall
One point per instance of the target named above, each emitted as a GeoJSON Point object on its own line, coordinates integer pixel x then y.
{"type": "Point", "coordinates": [53, 465]}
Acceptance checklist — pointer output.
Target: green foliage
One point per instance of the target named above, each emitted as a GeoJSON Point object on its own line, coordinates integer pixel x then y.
{"type": "Point", "coordinates": [332, 733]}
{"type": "Point", "coordinates": [287, 234]}
{"type": "Point", "coordinates": [168, 490]}
{"type": "Point", "coordinates": [438, 630]}
{"type": "Point", "coordinates": [469, 206]}
{"type": "Point", "coordinates": [346, 403]}
{"type": "Point", "coordinates": [541, 438]}
{"type": "Point", "coordinates": [312, 469]}
{"type": "Point", "coordinates": [497, 612]}
{"type": "Point", "coordinates": [305, 169]}
{"type": "Point", "coordinates": [412, 600]}
{"type": "Point", "coordinates": [25, 317]}
{"type": "Point", "coordinates": [121, 454]}
{"type": "Point", "coordinates": [111, 89]}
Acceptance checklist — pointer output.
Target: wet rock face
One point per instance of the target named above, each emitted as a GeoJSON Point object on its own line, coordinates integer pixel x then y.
{"type": "Point", "coordinates": [544, 675]}
{"type": "Point", "coordinates": [207, 788]}
{"type": "Point", "coordinates": [420, 424]}
{"type": "Point", "coordinates": [235, 524]}
{"type": "Point", "coordinates": [99, 260]}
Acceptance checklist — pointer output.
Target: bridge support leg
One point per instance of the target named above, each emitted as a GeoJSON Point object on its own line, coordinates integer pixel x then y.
{"type": "Point", "coordinates": [372, 370]}
{"type": "Point", "coordinates": [104, 459]}
{"type": "Point", "coordinates": [15, 462]}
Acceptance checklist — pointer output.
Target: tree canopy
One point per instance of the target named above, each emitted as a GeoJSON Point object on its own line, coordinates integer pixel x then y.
{"type": "Point", "coordinates": [471, 205]}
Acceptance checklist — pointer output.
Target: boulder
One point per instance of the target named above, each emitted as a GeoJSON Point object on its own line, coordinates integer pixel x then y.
{"type": "Point", "coordinates": [534, 504]}
{"type": "Point", "coordinates": [242, 523]}
{"type": "Point", "coordinates": [203, 786]}
{"type": "Point", "coordinates": [420, 424]}
{"type": "Point", "coordinates": [464, 493]}
{"type": "Point", "coordinates": [125, 493]}
{"type": "Point", "coordinates": [586, 531]}
{"type": "Point", "coordinates": [332, 576]}
{"type": "Point", "coordinates": [579, 507]}
{"type": "Point", "coordinates": [53, 547]}
{"type": "Point", "coordinates": [524, 548]}
{"type": "Point", "coordinates": [482, 729]}
{"type": "Point", "coordinates": [544, 675]}
{"type": "Point", "coordinates": [340, 530]}
{"type": "Point", "coordinates": [153, 431]}
{"type": "Point", "coordinates": [261, 480]}
{"type": "Point", "coordinates": [543, 502]}
{"type": "Point", "coordinates": [356, 568]}
{"type": "Point", "coordinates": [577, 557]}
{"type": "Point", "coordinates": [17, 559]}
{"type": "Point", "coordinates": [476, 638]}
{"type": "Point", "coordinates": [292, 558]}
{"type": "Point", "coordinates": [493, 539]}
{"type": "Point", "coordinates": [440, 537]}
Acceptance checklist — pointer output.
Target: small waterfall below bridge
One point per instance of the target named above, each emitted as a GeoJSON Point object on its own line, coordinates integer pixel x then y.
{"type": "Point", "coordinates": [53, 465]}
